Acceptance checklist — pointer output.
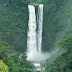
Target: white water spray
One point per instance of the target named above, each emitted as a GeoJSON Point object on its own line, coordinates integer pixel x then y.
{"type": "Point", "coordinates": [34, 40]}
{"type": "Point", "coordinates": [31, 40]}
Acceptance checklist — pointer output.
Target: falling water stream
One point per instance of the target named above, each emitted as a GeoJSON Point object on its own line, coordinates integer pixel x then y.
{"type": "Point", "coordinates": [34, 36]}
{"type": "Point", "coordinates": [40, 20]}
{"type": "Point", "coordinates": [34, 40]}
{"type": "Point", "coordinates": [31, 40]}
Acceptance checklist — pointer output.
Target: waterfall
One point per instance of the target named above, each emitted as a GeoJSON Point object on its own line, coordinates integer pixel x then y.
{"type": "Point", "coordinates": [39, 21]}
{"type": "Point", "coordinates": [34, 39]}
{"type": "Point", "coordinates": [31, 40]}
{"type": "Point", "coordinates": [34, 36]}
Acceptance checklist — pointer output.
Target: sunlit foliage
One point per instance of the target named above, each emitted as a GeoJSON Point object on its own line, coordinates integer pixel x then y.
{"type": "Point", "coordinates": [3, 67]}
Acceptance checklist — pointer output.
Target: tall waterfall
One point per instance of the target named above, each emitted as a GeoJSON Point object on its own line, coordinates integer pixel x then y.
{"type": "Point", "coordinates": [31, 40]}
{"type": "Point", "coordinates": [34, 36]}
{"type": "Point", "coordinates": [34, 39]}
{"type": "Point", "coordinates": [40, 20]}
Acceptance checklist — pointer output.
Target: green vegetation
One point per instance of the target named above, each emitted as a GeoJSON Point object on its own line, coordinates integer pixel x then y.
{"type": "Point", "coordinates": [57, 22]}
{"type": "Point", "coordinates": [18, 64]}
{"type": "Point", "coordinates": [4, 48]}
{"type": "Point", "coordinates": [3, 67]}
{"type": "Point", "coordinates": [57, 25]}
{"type": "Point", "coordinates": [63, 63]}
{"type": "Point", "coordinates": [15, 63]}
{"type": "Point", "coordinates": [14, 22]}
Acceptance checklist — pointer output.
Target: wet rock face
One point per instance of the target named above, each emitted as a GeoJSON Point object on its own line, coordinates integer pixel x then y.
{"type": "Point", "coordinates": [38, 67]}
{"type": "Point", "coordinates": [36, 5]}
{"type": "Point", "coordinates": [37, 64]}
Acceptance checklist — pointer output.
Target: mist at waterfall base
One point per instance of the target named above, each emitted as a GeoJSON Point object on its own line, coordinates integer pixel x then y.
{"type": "Point", "coordinates": [34, 39]}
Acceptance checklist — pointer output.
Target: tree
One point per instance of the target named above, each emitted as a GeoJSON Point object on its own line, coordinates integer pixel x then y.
{"type": "Point", "coordinates": [3, 67]}
{"type": "Point", "coordinates": [4, 48]}
{"type": "Point", "coordinates": [13, 67]}
{"type": "Point", "coordinates": [18, 63]}
{"type": "Point", "coordinates": [66, 43]}
{"type": "Point", "coordinates": [62, 63]}
{"type": "Point", "coordinates": [24, 65]}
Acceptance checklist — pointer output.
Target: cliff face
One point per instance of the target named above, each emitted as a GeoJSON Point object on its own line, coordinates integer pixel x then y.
{"type": "Point", "coordinates": [14, 21]}
{"type": "Point", "coordinates": [57, 21]}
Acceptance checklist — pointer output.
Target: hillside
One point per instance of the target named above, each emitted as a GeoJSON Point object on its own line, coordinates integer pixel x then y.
{"type": "Point", "coordinates": [57, 34]}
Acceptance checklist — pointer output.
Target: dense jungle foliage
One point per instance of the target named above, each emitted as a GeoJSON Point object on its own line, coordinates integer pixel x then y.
{"type": "Point", "coordinates": [57, 32]}
{"type": "Point", "coordinates": [3, 67]}
{"type": "Point", "coordinates": [62, 63]}
{"type": "Point", "coordinates": [14, 21]}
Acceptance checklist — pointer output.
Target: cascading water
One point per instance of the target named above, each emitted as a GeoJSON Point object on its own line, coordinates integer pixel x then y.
{"type": "Point", "coordinates": [31, 40]}
{"type": "Point", "coordinates": [39, 21]}
{"type": "Point", "coordinates": [34, 39]}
